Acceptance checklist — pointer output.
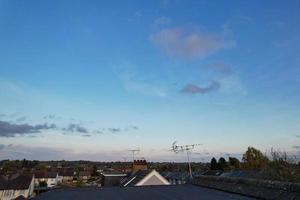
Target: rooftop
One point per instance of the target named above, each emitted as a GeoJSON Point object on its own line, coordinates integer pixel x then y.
{"type": "Point", "coordinates": [19, 182]}
{"type": "Point", "coordinates": [137, 193]}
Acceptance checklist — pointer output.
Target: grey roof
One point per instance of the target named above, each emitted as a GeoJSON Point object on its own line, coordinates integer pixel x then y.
{"type": "Point", "coordinates": [178, 192]}
{"type": "Point", "coordinates": [176, 175]}
{"type": "Point", "coordinates": [44, 174]}
{"type": "Point", "coordinates": [213, 172]}
{"type": "Point", "coordinates": [18, 183]}
{"type": "Point", "coordinates": [66, 173]}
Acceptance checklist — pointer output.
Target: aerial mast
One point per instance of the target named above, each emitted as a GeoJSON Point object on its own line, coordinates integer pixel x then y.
{"type": "Point", "coordinates": [133, 152]}
{"type": "Point", "coordinates": [187, 147]}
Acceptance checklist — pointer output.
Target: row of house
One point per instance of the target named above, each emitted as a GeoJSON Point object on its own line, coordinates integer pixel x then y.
{"type": "Point", "coordinates": [23, 185]}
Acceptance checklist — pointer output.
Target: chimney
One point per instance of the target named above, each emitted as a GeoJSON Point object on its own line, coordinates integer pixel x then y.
{"type": "Point", "coordinates": [139, 165]}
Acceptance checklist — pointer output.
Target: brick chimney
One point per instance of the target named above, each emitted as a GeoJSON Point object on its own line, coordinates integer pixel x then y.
{"type": "Point", "coordinates": [139, 165]}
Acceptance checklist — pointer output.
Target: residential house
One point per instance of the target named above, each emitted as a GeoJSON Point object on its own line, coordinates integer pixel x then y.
{"type": "Point", "coordinates": [16, 186]}
{"type": "Point", "coordinates": [177, 178]}
{"type": "Point", "coordinates": [84, 176]}
{"type": "Point", "coordinates": [51, 178]}
{"type": "Point", "coordinates": [65, 176]}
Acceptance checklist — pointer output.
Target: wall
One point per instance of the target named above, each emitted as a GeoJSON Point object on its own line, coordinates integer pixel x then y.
{"type": "Point", "coordinates": [12, 194]}
{"type": "Point", "coordinates": [270, 190]}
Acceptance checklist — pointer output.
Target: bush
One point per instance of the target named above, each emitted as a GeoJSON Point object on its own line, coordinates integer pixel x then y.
{"type": "Point", "coordinates": [43, 184]}
{"type": "Point", "coordinates": [254, 159]}
{"type": "Point", "coordinates": [281, 167]}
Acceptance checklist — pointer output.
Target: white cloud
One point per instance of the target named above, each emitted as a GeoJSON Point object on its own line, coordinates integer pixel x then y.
{"type": "Point", "coordinates": [139, 82]}
{"type": "Point", "coordinates": [232, 85]}
{"type": "Point", "coordinates": [185, 43]}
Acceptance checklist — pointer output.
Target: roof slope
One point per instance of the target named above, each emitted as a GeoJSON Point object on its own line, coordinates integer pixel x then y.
{"type": "Point", "coordinates": [134, 178]}
{"type": "Point", "coordinates": [18, 183]}
{"type": "Point", "coordinates": [142, 177]}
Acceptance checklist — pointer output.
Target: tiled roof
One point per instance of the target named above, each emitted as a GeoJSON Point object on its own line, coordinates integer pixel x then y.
{"type": "Point", "coordinates": [176, 175]}
{"type": "Point", "coordinates": [44, 174]}
{"type": "Point", "coordinates": [66, 173]}
{"type": "Point", "coordinates": [20, 182]}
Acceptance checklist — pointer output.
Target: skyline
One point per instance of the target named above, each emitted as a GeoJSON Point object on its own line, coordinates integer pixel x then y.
{"type": "Point", "coordinates": [90, 80]}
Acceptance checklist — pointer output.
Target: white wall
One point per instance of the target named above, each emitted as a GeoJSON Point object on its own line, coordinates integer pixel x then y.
{"type": "Point", "coordinates": [51, 182]}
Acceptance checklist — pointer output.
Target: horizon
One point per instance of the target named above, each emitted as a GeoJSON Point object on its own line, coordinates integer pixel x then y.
{"type": "Point", "coordinates": [89, 80]}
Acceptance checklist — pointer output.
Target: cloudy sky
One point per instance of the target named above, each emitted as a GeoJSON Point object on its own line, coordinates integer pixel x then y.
{"type": "Point", "coordinates": [92, 79]}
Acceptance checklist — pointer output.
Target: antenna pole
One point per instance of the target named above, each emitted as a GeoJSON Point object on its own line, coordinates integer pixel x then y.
{"type": "Point", "coordinates": [187, 148]}
{"type": "Point", "coordinates": [190, 168]}
{"type": "Point", "coordinates": [133, 152]}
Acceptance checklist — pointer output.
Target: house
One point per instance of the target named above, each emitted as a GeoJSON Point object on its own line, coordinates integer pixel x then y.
{"type": "Point", "coordinates": [84, 176]}
{"type": "Point", "coordinates": [177, 178]}
{"type": "Point", "coordinates": [51, 178]}
{"type": "Point", "coordinates": [112, 178]}
{"type": "Point", "coordinates": [16, 187]}
{"type": "Point", "coordinates": [65, 176]}
{"type": "Point", "coordinates": [145, 178]}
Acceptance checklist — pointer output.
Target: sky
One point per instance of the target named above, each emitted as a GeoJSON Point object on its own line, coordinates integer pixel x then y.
{"type": "Point", "coordinates": [92, 79]}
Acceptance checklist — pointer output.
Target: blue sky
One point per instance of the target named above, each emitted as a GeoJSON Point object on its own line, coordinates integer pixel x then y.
{"type": "Point", "coordinates": [92, 79]}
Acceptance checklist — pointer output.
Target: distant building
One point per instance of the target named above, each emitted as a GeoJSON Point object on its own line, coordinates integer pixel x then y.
{"type": "Point", "coordinates": [177, 178]}
{"type": "Point", "coordinates": [17, 186]}
{"type": "Point", "coordinates": [65, 176]}
{"type": "Point", "coordinates": [84, 176]}
{"type": "Point", "coordinates": [145, 178]}
{"type": "Point", "coordinates": [51, 178]}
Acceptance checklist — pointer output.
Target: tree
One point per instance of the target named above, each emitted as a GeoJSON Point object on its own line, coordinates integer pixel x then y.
{"type": "Point", "coordinates": [94, 172]}
{"type": "Point", "coordinates": [254, 159]}
{"type": "Point", "coordinates": [222, 164]}
{"type": "Point", "coordinates": [43, 184]}
{"type": "Point", "coordinates": [234, 163]}
{"type": "Point", "coordinates": [214, 164]}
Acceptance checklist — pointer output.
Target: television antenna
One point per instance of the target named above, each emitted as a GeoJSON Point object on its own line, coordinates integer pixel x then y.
{"type": "Point", "coordinates": [181, 148]}
{"type": "Point", "coordinates": [133, 151]}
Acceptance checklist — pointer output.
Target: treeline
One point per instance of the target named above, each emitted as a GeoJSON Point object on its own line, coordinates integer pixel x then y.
{"type": "Point", "coordinates": [277, 165]}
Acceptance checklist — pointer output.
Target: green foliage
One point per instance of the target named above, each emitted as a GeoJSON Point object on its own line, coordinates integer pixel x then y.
{"type": "Point", "coordinates": [213, 164]}
{"type": "Point", "coordinates": [281, 167]}
{"type": "Point", "coordinates": [41, 166]}
{"type": "Point", "coordinates": [94, 172]}
{"type": "Point", "coordinates": [79, 183]}
{"type": "Point", "coordinates": [43, 184]}
{"type": "Point", "coordinates": [254, 159]}
{"type": "Point", "coordinates": [222, 164]}
{"type": "Point", "coordinates": [234, 163]}
{"type": "Point", "coordinates": [10, 165]}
